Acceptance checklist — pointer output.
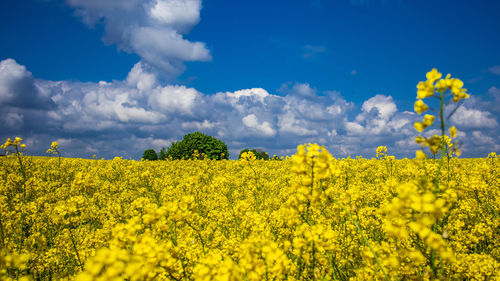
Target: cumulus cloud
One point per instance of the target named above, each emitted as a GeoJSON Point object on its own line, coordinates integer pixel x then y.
{"type": "Point", "coordinates": [471, 118]}
{"type": "Point", "coordinates": [17, 87]}
{"type": "Point", "coordinates": [174, 99]}
{"type": "Point", "coordinates": [384, 105]}
{"type": "Point", "coordinates": [480, 143]}
{"type": "Point", "coordinates": [251, 121]}
{"type": "Point", "coordinates": [481, 138]}
{"type": "Point", "coordinates": [288, 123]}
{"type": "Point", "coordinates": [141, 77]}
{"type": "Point", "coordinates": [177, 13]}
{"type": "Point", "coordinates": [379, 115]}
{"type": "Point", "coordinates": [123, 118]}
{"type": "Point", "coordinates": [153, 29]}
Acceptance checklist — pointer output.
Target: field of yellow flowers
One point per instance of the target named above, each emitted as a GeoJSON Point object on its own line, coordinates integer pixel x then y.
{"type": "Point", "coordinates": [311, 217]}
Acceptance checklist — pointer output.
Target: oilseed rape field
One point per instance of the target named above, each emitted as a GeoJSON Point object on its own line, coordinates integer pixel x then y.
{"type": "Point", "coordinates": [308, 217]}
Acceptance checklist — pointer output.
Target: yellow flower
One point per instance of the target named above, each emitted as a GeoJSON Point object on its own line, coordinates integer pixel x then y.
{"type": "Point", "coordinates": [433, 75]}
{"type": "Point", "coordinates": [428, 120]}
{"type": "Point", "coordinates": [420, 155]}
{"type": "Point", "coordinates": [457, 90]}
{"type": "Point", "coordinates": [381, 151]}
{"type": "Point", "coordinates": [444, 84]}
{"type": "Point", "coordinates": [420, 106]}
{"type": "Point", "coordinates": [425, 90]}
{"type": "Point", "coordinates": [419, 139]}
{"type": "Point", "coordinates": [453, 132]}
{"type": "Point", "coordinates": [17, 141]}
{"type": "Point", "coordinates": [54, 145]}
{"type": "Point", "coordinates": [419, 126]}
{"type": "Point", "coordinates": [456, 83]}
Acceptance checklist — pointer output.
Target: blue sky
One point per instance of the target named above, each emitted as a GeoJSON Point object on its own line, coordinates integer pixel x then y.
{"type": "Point", "coordinates": [114, 78]}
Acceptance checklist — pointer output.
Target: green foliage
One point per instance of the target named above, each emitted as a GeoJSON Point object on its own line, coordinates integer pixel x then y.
{"type": "Point", "coordinates": [206, 146]}
{"type": "Point", "coordinates": [259, 153]}
{"type": "Point", "coordinates": [149, 154]}
{"type": "Point", "coordinates": [162, 155]}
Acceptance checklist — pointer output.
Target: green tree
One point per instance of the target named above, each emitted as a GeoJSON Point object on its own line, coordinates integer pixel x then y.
{"type": "Point", "coordinates": [204, 144]}
{"type": "Point", "coordinates": [162, 154]}
{"type": "Point", "coordinates": [149, 154]}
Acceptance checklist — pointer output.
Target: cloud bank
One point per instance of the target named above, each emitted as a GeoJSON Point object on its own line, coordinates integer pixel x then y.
{"type": "Point", "coordinates": [123, 118]}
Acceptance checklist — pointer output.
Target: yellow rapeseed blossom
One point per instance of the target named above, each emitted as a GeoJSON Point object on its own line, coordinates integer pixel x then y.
{"type": "Point", "coordinates": [309, 217]}
{"type": "Point", "coordinates": [381, 152]}
{"type": "Point", "coordinates": [433, 75]}
{"type": "Point", "coordinates": [419, 126]}
{"type": "Point", "coordinates": [453, 132]}
{"type": "Point", "coordinates": [425, 90]}
{"type": "Point", "coordinates": [420, 107]}
{"type": "Point", "coordinates": [420, 155]}
{"type": "Point", "coordinates": [428, 120]}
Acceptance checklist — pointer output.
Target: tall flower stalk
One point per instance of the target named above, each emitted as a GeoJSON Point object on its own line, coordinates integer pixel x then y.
{"type": "Point", "coordinates": [442, 89]}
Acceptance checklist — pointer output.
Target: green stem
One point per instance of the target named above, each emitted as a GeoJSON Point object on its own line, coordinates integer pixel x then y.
{"type": "Point", "coordinates": [22, 172]}
{"type": "Point", "coordinates": [2, 233]}
{"type": "Point", "coordinates": [438, 175]}
{"type": "Point", "coordinates": [76, 251]}
{"type": "Point", "coordinates": [443, 142]}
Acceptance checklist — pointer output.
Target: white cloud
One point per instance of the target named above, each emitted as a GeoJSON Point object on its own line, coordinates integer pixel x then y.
{"type": "Point", "coordinates": [179, 13]}
{"type": "Point", "coordinates": [198, 125]}
{"type": "Point", "coordinates": [354, 128]}
{"type": "Point", "coordinates": [165, 49]}
{"type": "Point", "coordinates": [287, 123]}
{"type": "Point", "coordinates": [123, 118]}
{"type": "Point", "coordinates": [379, 116]}
{"type": "Point", "coordinates": [473, 118]}
{"type": "Point", "coordinates": [384, 105]}
{"type": "Point", "coordinates": [482, 139]}
{"type": "Point", "coordinates": [174, 99]}
{"type": "Point", "coordinates": [17, 87]}
{"type": "Point", "coordinates": [257, 94]}
{"type": "Point", "coordinates": [159, 143]}
{"type": "Point", "coordinates": [303, 89]}
{"type": "Point", "coordinates": [408, 143]}
{"type": "Point", "coordinates": [150, 28]}
{"type": "Point", "coordinates": [141, 78]}
{"type": "Point", "coordinates": [398, 123]}
{"type": "Point", "coordinates": [263, 128]}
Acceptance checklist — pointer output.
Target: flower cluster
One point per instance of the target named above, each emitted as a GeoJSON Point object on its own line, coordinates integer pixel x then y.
{"type": "Point", "coordinates": [438, 87]}
{"type": "Point", "coordinates": [54, 148]}
{"type": "Point", "coordinates": [13, 147]}
{"type": "Point", "coordinates": [309, 217]}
